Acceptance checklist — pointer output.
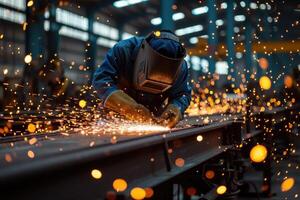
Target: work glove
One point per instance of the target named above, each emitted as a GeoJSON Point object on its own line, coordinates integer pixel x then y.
{"type": "Point", "coordinates": [171, 116]}
{"type": "Point", "coordinates": [123, 104]}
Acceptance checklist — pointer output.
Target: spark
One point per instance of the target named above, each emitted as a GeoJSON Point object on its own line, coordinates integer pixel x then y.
{"type": "Point", "coordinates": [120, 185]}
{"type": "Point", "coordinates": [97, 174]}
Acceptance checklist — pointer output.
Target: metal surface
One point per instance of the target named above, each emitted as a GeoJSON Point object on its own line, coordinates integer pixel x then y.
{"type": "Point", "coordinates": [141, 162]}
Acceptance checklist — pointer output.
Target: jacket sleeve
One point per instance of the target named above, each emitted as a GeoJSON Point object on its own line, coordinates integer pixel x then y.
{"type": "Point", "coordinates": [180, 93]}
{"type": "Point", "coordinates": [106, 76]}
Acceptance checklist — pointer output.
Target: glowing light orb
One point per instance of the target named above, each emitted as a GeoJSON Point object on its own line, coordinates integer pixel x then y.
{"type": "Point", "coordinates": [191, 191]}
{"type": "Point", "coordinates": [221, 189]}
{"type": "Point", "coordinates": [120, 185]}
{"type": "Point", "coordinates": [263, 63]}
{"type": "Point", "coordinates": [32, 141]}
{"type": "Point", "coordinates": [265, 82]}
{"type": "Point", "coordinates": [82, 103]}
{"type": "Point", "coordinates": [31, 128]}
{"type": "Point", "coordinates": [179, 162]}
{"type": "Point", "coordinates": [28, 59]}
{"type": "Point", "coordinates": [209, 174]}
{"type": "Point", "coordinates": [96, 173]}
{"type": "Point", "coordinates": [30, 3]}
{"type": "Point", "coordinates": [30, 154]}
{"type": "Point", "coordinates": [199, 138]}
{"type": "Point", "coordinates": [157, 33]}
{"type": "Point", "coordinates": [138, 193]}
{"type": "Point", "coordinates": [258, 153]}
{"type": "Point", "coordinates": [288, 81]}
{"type": "Point", "coordinates": [149, 192]}
{"type": "Point", "coordinates": [287, 184]}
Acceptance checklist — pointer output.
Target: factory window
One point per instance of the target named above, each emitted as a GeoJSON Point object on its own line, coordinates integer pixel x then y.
{"type": "Point", "coordinates": [18, 4]}
{"type": "Point", "coordinates": [46, 25]}
{"type": "Point", "coordinates": [219, 22]}
{"type": "Point", "coordinates": [222, 67]}
{"type": "Point", "coordinates": [126, 35]}
{"type": "Point", "coordinates": [175, 17]}
{"type": "Point", "coordinates": [195, 61]}
{"type": "Point", "coordinates": [187, 59]}
{"type": "Point", "coordinates": [106, 42]}
{"type": "Point", "coordinates": [73, 33]}
{"type": "Point", "coordinates": [72, 19]}
{"type": "Point", "coordinates": [200, 10]}
{"type": "Point", "coordinates": [12, 16]}
{"type": "Point", "coordinates": [204, 65]}
{"type": "Point", "coordinates": [124, 3]}
{"type": "Point", "coordinates": [194, 40]}
{"type": "Point", "coordinates": [188, 30]}
{"type": "Point", "coordinates": [105, 30]}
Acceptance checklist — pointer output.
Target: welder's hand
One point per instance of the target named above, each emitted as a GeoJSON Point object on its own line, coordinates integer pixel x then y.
{"type": "Point", "coordinates": [171, 116]}
{"type": "Point", "coordinates": [123, 104]}
{"type": "Point", "coordinates": [140, 114]}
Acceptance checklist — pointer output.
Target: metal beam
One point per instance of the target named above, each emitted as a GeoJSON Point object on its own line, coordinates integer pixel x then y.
{"type": "Point", "coordinates": [71, 169]}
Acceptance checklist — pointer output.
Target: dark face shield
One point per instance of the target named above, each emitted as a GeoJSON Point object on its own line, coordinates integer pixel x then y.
{"type": "Point", "coordinates": [153, 72]}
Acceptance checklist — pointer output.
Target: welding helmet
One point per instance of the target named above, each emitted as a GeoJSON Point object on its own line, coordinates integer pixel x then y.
{"type": "Point", "coordinates": [158, 62]}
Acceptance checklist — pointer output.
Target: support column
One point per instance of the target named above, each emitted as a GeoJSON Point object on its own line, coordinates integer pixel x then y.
{"type": "Point", "coordinates": [34, 46]}
{"type": "Point", "coordinates": [121, 31]}
{"type": "Point", "coordinates": [230, 38]}
{"type": "Point", "coordinates": [53, 34]}
{"type": "Point", "coordinates": [34, 34]}
{"type": "Point", "coordinates": [212, 34]}
{"type": "Point", "coordinates": [91, 44]}
{"type": "Point", "coordinates": [248, 44]}
{"type": "Point", "coordinates": [166, 13]}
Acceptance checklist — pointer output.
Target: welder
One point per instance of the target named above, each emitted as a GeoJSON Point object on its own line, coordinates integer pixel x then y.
{"type": "Point", "coordinates": [145, 79]}
{"type": "Point", "coordinates": [58, 86]}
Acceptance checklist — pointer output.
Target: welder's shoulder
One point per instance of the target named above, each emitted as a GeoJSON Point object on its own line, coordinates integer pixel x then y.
{"type": "Point", "coordinates": [128, 44]}
{"type": "Point", "coordinates": [184, 66]}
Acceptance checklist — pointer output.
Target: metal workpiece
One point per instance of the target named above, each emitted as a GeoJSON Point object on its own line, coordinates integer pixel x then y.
{"type": "Point", "coordinates": [141, 162]}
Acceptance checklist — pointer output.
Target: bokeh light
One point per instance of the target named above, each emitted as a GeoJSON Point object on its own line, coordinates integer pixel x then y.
{"type": "Point", "coordinates": [82, 103]}
{"type": "Point", "coordinates": [31, 128]}
{"type": "Point", "coordinates": [138, 193]}
{"type": "Point", "coordinates": [120, 185]}
{"type": "Point", "coordinates": [191, 191]}
{"type": "Point", "coordinates": [179, 162]}
{"type": "Point", "coordinates": [221, 189]}
{"type": "Point", "coordinates": [149, 192]}
{"type": "Point", "coordinates": [263, 63]}
{"type": "Point", "coordinates": [199, 138]}
{"type": "Point", "coordinates": [209, 174]}
{"type": "Point", "coordinates": [287, 184]}
{"type": "Point", "coordinates": [288, 81]}
{"type": "Point", "coordinates": [258, 153]}
{"type": "Point", "coordinates": [30, 154]}
{"type": "Point", "coordinates": [28, 59]}
{"type": "Point", "coordinates": [30, 3]}
{"type": "Point", "coordinates": [96, 173]}
{"type": "Point", "coordinates": [265, 82]}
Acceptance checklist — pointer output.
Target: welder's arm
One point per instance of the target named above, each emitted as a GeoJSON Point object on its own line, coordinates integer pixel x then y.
{"type": "Point", "coordinates": [180, 96]}
{"type": "Point", "coordinates": [122, 103]}
{"type": "Point", "coordinates": [106, 76]}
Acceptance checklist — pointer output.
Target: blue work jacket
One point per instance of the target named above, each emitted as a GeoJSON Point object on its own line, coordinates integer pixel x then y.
{"type": "Point", "coordinates": [116, 73]}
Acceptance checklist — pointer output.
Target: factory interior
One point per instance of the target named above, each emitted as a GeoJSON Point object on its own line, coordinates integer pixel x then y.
{"type": "Point", "coordinates": [150, 99]}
